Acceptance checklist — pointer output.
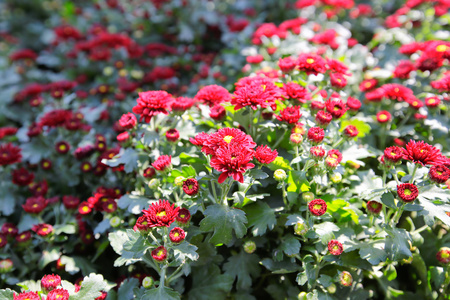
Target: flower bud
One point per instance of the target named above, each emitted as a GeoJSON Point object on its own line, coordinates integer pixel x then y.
{"type": "Point", "coordinates": [336, 177]}
{"type": "Point", "coordinates": [154, 183]}
{"type": "Point", "coordinates": [6, 265]}
{"type": "Point", "coordinates": [249, 247]}
{"type": "Point", "coordinates": [279, 175]}
{"type": "Point", "coordinates": [179, 181]}
{"type": "Point", "coordinates": [300, 228]}
{"type": "Point", "coordinates": [308, 196]}
{"type": "Point", "coordinates": [332, 288]}
{"type": "Point", "coordinates": [296, 138]}
{"type": "Point", "coordinates": [147, 282]}
{"type": "Point", "coordinates": [115, 221]}
{"type": "Point", "coordinates": [443, 255]}
{"type": "Point", "coordinates": [345, 278]}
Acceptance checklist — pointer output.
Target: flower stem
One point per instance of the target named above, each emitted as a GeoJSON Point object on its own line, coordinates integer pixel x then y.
{"type": "Point", "coordinates": [398, 214]}
{"type": "Point", "coordinates": [278, 141]}
{"type": "Point", "coordinates": [162, 275]}
{"type": "Point", "coordinates": [340, 141]}
{"type": "Point", "coordinates": [414, 173]}
{"type": "Point", "coordinates": [297, 155]}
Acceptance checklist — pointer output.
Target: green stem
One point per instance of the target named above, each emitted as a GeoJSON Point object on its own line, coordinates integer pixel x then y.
{"type": "Point", "coordinates": [414, 173]}
{"type": "Point", "coordinates": [153, 238]}
{"type": "Point", "coordinates": [225, 191]}
{"type": "Point", "coordinates": [297, 155]}
{"type": "Point", "coordinates": [162, 275]}
{"type": "Point", "coordinates": [340, 141]}
{"type": "Point", "coordinates": [403, 122]}
{"type": "Point", "coordinates": [286, 204]}
{"type": "Point", "coordinates": [278, 141]}
{"type": "Point", "coordinates": [398, 215]}
{"type": "Point", "coordinates": [424, 227]}
{"type": "Point", "coordinates": [175, 274]}
{"type": "Point", "coordinates": [396, 177]}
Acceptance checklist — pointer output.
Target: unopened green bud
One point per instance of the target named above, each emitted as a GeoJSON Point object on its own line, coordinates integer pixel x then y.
{"type": "Point", "coordinates": [279, 175]}
{"type": "Point", "coordinates": [308, 196]}
{"type": "Point", "coordinates": [154, 183]}
{"type": "Point", "coordinates": [108, 71]}
{"type": "Point", "coordinates": [179, 181]}
{"type": "Point", "coordinates": [147, 282]}
{"type": "Point", "coordinates": [336, 177]}
{"type": "Point", "coordinates": [249, 247]}
{"type": "Point", "coordinates": [346, 278]}
{"type": "Point", "coordinates": [332, 288]}
{"type": "Point", "coordinates": [302, 296]}
{"type": "Point", "coordinates": [300, 228]}
{"type": "Point", "coordinates": [115, 221]}
{"type": "Point", "coordinates": [6, 265]}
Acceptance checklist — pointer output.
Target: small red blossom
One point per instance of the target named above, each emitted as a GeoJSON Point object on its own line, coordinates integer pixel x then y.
{"type": "Point", "coordinates": [190, 186]}
{"type": "Point", "coordinates": [317, 153]}
{"type": "Point", "coordinates": [422, 153]}
{"type": "Point", "coordinates": [62, 147]}
{"type": "Point", "coordinates": [50, 282]}
{"type": "Point", "coordinates": [183, 217]}
{"type": "Point", "coordinates": [181, 104]}
{"type": "Point", "coordinates": [58, 294]}
{"type": "Point", "coordinates": [317, 207]}
{"type": "Point", "coordinates": [35, 205]}
{"type": "Point", "coordinates": [163, 163]}
{"type": "Point", "coordinates": [9, 229]}
{"type": "Point", "coordinates": [177, 235]}
{"type": "Point", "coordinates": [334, 157]}
{"type": "Point", "coordinates": [27, 296]}
{"type": "Point", "coordinates": [336, 107]}
{"type": "Point", "coordinates": [439, 173]}
{"type": "Point", "coordinates": [316, 135]}
{"type": "Point", "coordinates": [159, 254]}
{"type": "Point", "coordinates": [217, 112]}
{"type": "Point", "coordinates": [432, 102]}
{"type": "Point", "coordinates": [311, 64]}
{"type": "Point", "coordinates": [161, 214]}
{"type": "Point", "coordinates": [335, 247]}
{"type": "Point", "coordinates": [212, 95]}
{"type": "Point", "coordinates": [323, 118]}
{"type": "Point", "coordinates": [149, 172]}
{"type": "Point", "coordinates": [224, 137]}
{"type": "Point", "coordinates": [353, 104]}
{"type": "Point", "coordinates": [350, 131]}
{"type": "Point", "coordinates": [443, 255]}
{"type": "Point", "coordinates": [265, 155]}
{"type": "Point", "coordinates": [290, 115]}
{"type": "Point", "coordinates": [71, 202]}
{"type": "Point", "coordinates": [9, 154]}
{"type": "Point", "coordinates": [42, 229]}
{"type": "Point", "coordinates": [383, 116]}
{"type": "Point", "coordinates": [338, 80]}
{"type": "Point", "coordinates": [84, 208]}
{"type": "Point", "coordinates": [368, 85]}
{"type": "Point", "coordinates": [296, 91]}
{"type": "Point", "coordinates": [374, 207]}
{"type": "Point", "coordinates": [408, 192]}
{"type": "Point", "coordinates": [393, 154]}
{"type": "Point", "coordinates": [152, 103]}
{"type": "Point", "coordinates": [287, 64]}
{"type": "Point", "coordinates": [256, 91]}
{"type": "Point", "coordinates": [22, 177]}
{"type": "Point", "coordinates": [172, 135]}
{"type": "Point", "coordinates": [128, 121]}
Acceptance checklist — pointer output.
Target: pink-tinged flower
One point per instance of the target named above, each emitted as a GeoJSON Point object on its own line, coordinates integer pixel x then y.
{"type": "Point", "coordinates": [172, 135]}
{"type": "Point", "coordinates": [317, 153]}
{"type": "Point", "coordinates": [7, 131]}
{"type": "Point", "coordinates": [368, 85]}
{"type": "Point", "coordinates": [443, 255]}
{"type": "Point", "coordinates": [337, 67]}
{"type": "Point", "coordinates": [414, 103]}
{"type": "Point", "coordinates": [395, 91]}
{"type": "Point", "coordinates": [336, 107]}
{"type": "Point", "coordinates": [161, 214]}
{"type": "Point", "coordinates": [23, 54]}
{"type": "Point", "coordinates": [383, 116]}
{"type": "Point", "coordinates": [225, 136]}
{"type": "Point", "coordinates": [181, 104]}
{"type": "Point", "coordinates": [232, 160]}
{"type": "Point", "coordinates": [128, 121]}
{"type": "Point", "coordinates": [432, 102]}
{"type": "Point", "coordinates": [190, 186]}
{"type": "Point", "coordinates": [183, 217]}
{"type": "Point", "coordinates": [22, 177]}
{"type": "Point", "coordinates": [311, 64]}
{"type": "Point", "coordinates": [265, 155]}
{"type": "Point", "coordinates": [323, 118]}
{"type": "Point", "coordinates": [6, 266]}
{"type": "Point", "coordinates": [442, 84]}
{"type": "Point", "coordinates": [159, 254]}
{"type": "Point", "coordinates": [42, 229]}
{"type": "Point", "coordinates": [9, 229]}
{"type": "Point", "coordinates": [408, 192]}
{"type": "Point", "coordinates": [163, 163]}
{"type": "Point", "coordinates": [254, 59]}
{"type": "Point", "coordinates": [290, 115]}
{"type": "Point", "coordinates": [50, 282]}
{"type": "Point", "coordinates": [316, 135]}
{"type": "Point", "coordinates": [85, 208]}
{"type": "Point", "coordinates": [403, 69]}
{"type": "Point", "coordinates": [374, 207]}
{"type": "Point", "coordinates": [410, 48]}
{"type": "Point", "coordinates": [335, 247]}
{"type": "Point", "coordinates": [350, 131]}
{"type": "Point", "coordinates": [27, 296]}
{"type": "Point", "coordinates": [317, 105]}
{"type": "Point", "coordinates": [149, 172]}
{"type": "Point", "coordinates": [199, 139]}
{"type": "Point", "coordinates": [58, 294]}
{"type": "Point", "coordinates": [296, 138]}
{"type": "Point", "coordinates": [9, 154]}
{"type": "Point", "coordinates": [217, 112]}
{"type": "Point", "coordinates": [296, 91]}
{"type": "Point", "coordinates": [71, 202]}
{"type": "Point", "coordinates": [287, 64]}
{"type": "Point", "coordinates": [152, 103]}
{"type": "Point", "coordinates": [317, 207]}
{"type": "Point", "coordinates": [212, 95]}
{"type": "Point", "coordinates": [177, 235]}
{"type": "Point", "coordinates": [334, 157]}
{"type": "Point", "coordinates": [256, 91]}
{"type": "Point", "coordinates": [393, 154]}
{"type": "Point", "coordinates": [338, 80]}
{"type": "Point", "coordinates": [375, 95]}
{"type": "Point", "coordinates": [345, 278]}
{"type": "Point", "coordinates": [35, 205]}
{"type": "Point", "coordinates": [123, 137]}
{"type": "Point", "coordinates": [353, 104]}
{"type": "Point", "coordinates": [422, 153]}
{"type": "Point", "coordinates": [439, 173]}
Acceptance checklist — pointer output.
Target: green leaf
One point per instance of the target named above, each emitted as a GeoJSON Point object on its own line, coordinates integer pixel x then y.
{"type": "Point", "coordinates": [223, 220]}
{"type": "Point", "coordinates": [397, 245]}
{"type": "Point", "coordinates": [325, 231]}
{"type": "Point", "coordinates": [209, 283]}
{"type": "Point", "coordinates": [133, 203]}
{"type": "Point", "coordinates": [290, 245]}
{"type": "Point", "coordinates": [260, 217]}
{"type": "Point", "coordinates": [302, 278]}
{"type": "Point", "coordinates": [258, 174]}
{"type": "Point", "coordinates": [67, 229]}
{"type": "Point", "coordinates": [390, 273]}
{"type": "Point", "coordinates": [436, 276]}
{"type": "Point", "coordinates": [125, 291]}
{"type": "Point", "coordinates": [373, 252]}
{"type": "Point", "coordinates": [280, 267]}
{"type": "Point", "coordinates": [297, 181]}
{"type": "Point", "coordinates": [48, 257]}
{"type": "Point", "coordinates": [7, 294]}
{"type": "Point", "coordinates": [129, 158]}
{"type": "Point", "coordinates": [354, 153]}
{"type": "Point", "coordinates": [91, 288]}
{"type": "Point", "coordinates": [280, 163]}
{"type": "Point", "coordinates": [432, 192]}
{"type": "Point", "coordinates": [7, 198]}
{"type": "Point", "coordinates": [243, 266]}
{"type": "Point", "coordinates": [30, 285]}
{"type": "Point", "coordinates": [160, 293]}
{"type": "Point", "coordinates": [431, 211]}
{"type": "Point", "coordinates": [135, 243]}
{"type": "Point", "coordinates": [388, 199]}
{"type": "Point", "coordinates": [118, 240]}
{"type": "Point", "coordinates": [184, 251]}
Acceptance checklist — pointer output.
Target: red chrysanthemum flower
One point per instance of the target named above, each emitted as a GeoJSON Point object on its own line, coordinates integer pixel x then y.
{"type": "Point", "coordinates": [265, 155]}
{"type": "Point", "coordinates": [217, 112]}
{"type": "Point", "coordinates": [161, 214]}
{"type": "Point", "coordinates": [199, 139]}
{"type": "Point", "coordinates": [350, 131]}
{"type": "Point", "coordinates": [9, 229]}
{"type": "Point", "coordinates": [296, 91]}
{"type": "Point", "coordinates": [336, 107]}
{"type": "Point", "coordinates": [55, 118]}
{"type": "Point", "coordinates": [443, 255]}
{"type": "Point", "coordinates": [22, 177]}
{"type": "Point", "coordinates": [152, 103]}
{"type": "Point", "coordinates": [383, 116]}
{"type": "Point", "coordinates": [316, 135]}
{"type": "Point", "coordinates": [422, 153]}
{"type": "Point", "coordinates": [290, 115]}
{"type": "Point", "coordinates": [338, 80]}
{"type": "Point", "coordinates": [27, 296]}
{"type": "Point", "coordinates": [62, 147]}
{"type": "Point", "coordinates": [50, 282]}
{"type": "Point", "coordinates": [71, 202]}
{"type": "Point", "coordinates": [393, 154]}
{"type": "Point", "coordinates": [395, 91]}
{"type": "Point", "coordinates": [149, 172]}
{"type": "Point", "coordinates": [408, 192]}
{"type": "Point", "coordinates": [432, 102]}
{"type": "Point", "coordinates": [85, 208]}
{"type": "Point", "coordinates": [323, 118]}
{"type": "Point", "coordinates": [3, 240]}
{"type": "Point", "coordinates": [287, 64]}
{"type": "Point", "coordinates": [163, 163]}
{"type": "Point", "coordinates": [353, 104]}
{"type": "Point", "coordinates": [183, 217]}
{"type": "Point", "coordinates": [375, 95]}
{"type": "Point", "coordinates": [42, 229]}
{"type": "Point", "coordinates": [7, 131]}
{"type": "Point", "coordinates": [212, 95]}
{"type": "Point", "coordinates": [439, 174]}
{"type": "Point", "coordinates": [311, 63]}
{"type": "Point", "coordinates": [317, 207]}
{"type": "Point", "coordinates": [225, 136]}
{"type": "Point", "coordinates": [172, 135]}
{"type": "Point", "coordinates": [317, 153]}
{"type": "Point", "coordinates": [177, 235]}
{"type": "Point", "coordinates": [159, 254]}
{"type": "Point", "coordinates": [35, 205]}
{"type": "Point", "coordinates": [190, 186]}
{"type": "Point", "coordinates": [337, 67]}
{"type": "Point", "coordinates": [442, 84]}
{"type": "Point", "coordinates": [58, 294]}
{"type": "Point", "coordinates": [335, 247]}
{"type": "Point", "coordinates": [46, 164]}
{"type": "Point", "coordinates": [142, 224]}
{"type": "Point", "coordinates": [374, 207]}
{"type": "Point", "coordinates": [181, 104]}
{"type": "Point", "coordinates": [233, 160]}
{"type": "Point", "coordinates": [334, 157]}
{"type": "Point", "coordinates": [317, 105]}
{"type": "Point", "coordinates": [414, 103]}
{"type": "Point", "coordinates": [403, 69]}
{"type": "Point", "coordinates": [256, 91]}
{"type": "Point", "coordinates": [368, 85]}
{"type": "Point", "coordinates": [296, 138]}
{"type": "Point", "coordinates": [9, 154]}
{"type": "Point", "coordinates": [128, 121]}
{"type": "Point", "coordinates": [23, 237]}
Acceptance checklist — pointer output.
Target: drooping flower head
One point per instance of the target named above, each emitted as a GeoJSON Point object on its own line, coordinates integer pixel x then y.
{"type": "Point", "coordinates": [439, 174]}
{"type": "Point", "coordinates": [422, 153]}
{"type": "Point", "coordinates": [161, 214]}
{"type": "Point", "coordinates": [408, 192]}
{"type": "Point", "coordinates": [335, 247]}
{"type": "Point", "coordinates": [317, 207]}
{"type": "Point", "coordinates": [212, 95]}
{"type": "Point", "coordinates": [152, 103]}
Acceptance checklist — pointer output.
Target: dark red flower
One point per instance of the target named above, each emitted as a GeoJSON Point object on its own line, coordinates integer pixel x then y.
{"type": "Point", "coordinates": [128, 121]}
{"type": "Point", "coordinates": [422, 153]}
{"type": "Point", "coordinates": [7, 131]}
{"type": "Point", "coordinates": [163, 163]}
{"type": "Point", "coordinates": [71, 202]}
{"type": "Point", "coordinates": [58, 294]}
{"type": "Point", "coordinates": [62, 147]}
{"type": "Point", "coordinates": [27, 296]}
{"type": "Point", "coordinates": [232, 160]}
{"type": "Point", "coordinates": [296, 91]}
{"type": "Point", "coordinates": [159, 254]}
{"type": "Point", "coordinates": [217, 112]}
{"type": "Point", "coordinates": [39, 188]}
{"type": "Point", "coordinates": [265, 155]}
{"type": "Point", "coordinates": [177, 235]}
{"type": "Point", "coordinates": [42, 229]}
{"type": "Point", "coordinates": [152, 103]}
{"type": "Point", "coordinates": [334, 157]}
{"type": "Point", "coordinates": [35, 205]}
{"type": "Point", "coordinates": [183, 217]}
{"type": "Point", "coordinates": [149, 172]}
{"type": "Point", "coordinates": [323, 118]}
{"type": "Point", "coordinates": [161, 214]}
{"type": "Point", "coordinates": [316, 135]}
{"type": "Point", "coordinates": [374, 207]}
{"type": "Point", "coordinates": [22, 177]}
{"type": "Point", "coordinates": [443, 255]}
{"type": "Point", "coordinates": [335, 247]}
{"type": "Point", "coordinates": [291, 115]}
{"type": "Point", "coordinates": [9, 229]}
{"type": "Point", "coordinates": [23, 54]}
{"type": "Point", "coordinates": [55, 118]}
{"type": "Point", "coordinates": [142, 224]}
{"type": "Point", "coordinates": [350, 131]}
{"type": "Point", "coordinates": [311, 63]}
{"type": "Point", "coordinates": [9, 154]}
{"type": "Point", "coordinates": [336, 107]}
{"type": "Point", "coordinates": [190, 186]}
{"type": "Point", "coordinates": [172, 135]}
{"type": "Point", "coordinates": [212, 95]}
{"type": "Point", "coordinates": [23, 237]}
{"type": "Point", "coordinates": [3, 241]}
{"type": "Point", "coordinates": [439, 173]}
{"type": "Point", "coordinates": [50, 282]}
{"type": "Point", "coordinates": [317, 207]}
{"type": "Point", "coordinates": [393, 154]}
{"type": "Point", "coordinates": [408, 192]}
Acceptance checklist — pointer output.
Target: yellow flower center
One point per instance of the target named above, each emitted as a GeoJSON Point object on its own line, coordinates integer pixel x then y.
{"type": "Point", "coordinates": [161, 213]}
{"type": "Point", "coordinates": [383, 117]}
{"type": "Point", "coordinates": [310, 60]}
{"type": "Point", "coordinates": [441, 48]}
{"type": "Point", "coordinates": [407, 192]}
{"type": "Point", "coordinates": [317, 206]}
{"type": "Point", "coordinates": [228, 138]}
